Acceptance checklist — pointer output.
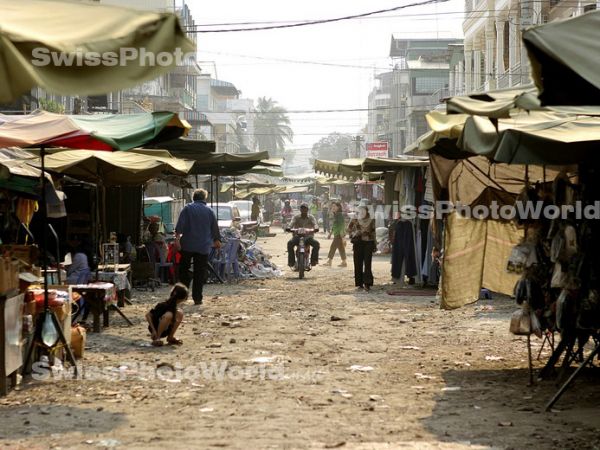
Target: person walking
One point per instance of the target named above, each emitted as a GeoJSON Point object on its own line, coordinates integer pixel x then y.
{"type": "Point", "coordinates": [196, 233]}
{"type": "Point", "coordinates": [362, 235]}
{"type": "Point", "coordinates": [326, 211]}
{"type": "Point", "coordinates": [255, 211]}
{"type": "Point", "coordinates": [338, 229]}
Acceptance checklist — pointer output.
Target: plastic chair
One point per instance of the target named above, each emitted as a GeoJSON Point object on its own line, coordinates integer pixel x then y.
{"type": "Point", "coordinates": [162, 268]}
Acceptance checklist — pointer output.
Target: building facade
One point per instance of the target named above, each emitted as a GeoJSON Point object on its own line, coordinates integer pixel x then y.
{"type": "Point", "coordinates": [230, 119]}
{"type": "Point", "coordinates": [494, 54]}
{"type": "Point", "coordinates": [420, 79]}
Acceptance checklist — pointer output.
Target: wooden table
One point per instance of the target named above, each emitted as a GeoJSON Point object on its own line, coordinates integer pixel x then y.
{"type": "Point", "coordinates": [100, 297]}
{"type": "Point", "coordinates": [104, 273]}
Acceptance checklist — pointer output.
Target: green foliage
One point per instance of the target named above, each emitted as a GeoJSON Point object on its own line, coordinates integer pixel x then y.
{"type": "Point", "coordinates": [272, 127]}
{"type": "Point", "coordinates": [334, 147]}
{"type": "Point", "coordinates": [51, 106]}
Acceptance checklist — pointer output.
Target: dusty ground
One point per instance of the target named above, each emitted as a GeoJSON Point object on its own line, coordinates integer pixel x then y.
{"type": "Point", "coordinates": [430, 386]}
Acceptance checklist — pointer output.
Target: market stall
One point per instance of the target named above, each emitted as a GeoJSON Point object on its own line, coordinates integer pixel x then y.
{"type": "Point", "coordinates": [545, 157]}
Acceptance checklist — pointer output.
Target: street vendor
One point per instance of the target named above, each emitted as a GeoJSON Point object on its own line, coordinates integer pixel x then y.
{"type": "Point", "coordinates": [78, 268]}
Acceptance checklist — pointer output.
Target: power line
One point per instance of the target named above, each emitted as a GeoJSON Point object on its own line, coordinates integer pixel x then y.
{"type": "Point", "coordinates": [296, 61]}
{"type": "Point", "coordinates": [316, 22]}
{"type": "Point", "coordinates": [372, 17]}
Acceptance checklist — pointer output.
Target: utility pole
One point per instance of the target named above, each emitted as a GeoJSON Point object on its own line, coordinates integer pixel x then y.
{"type": "Point", "coordinates": [358, 145]}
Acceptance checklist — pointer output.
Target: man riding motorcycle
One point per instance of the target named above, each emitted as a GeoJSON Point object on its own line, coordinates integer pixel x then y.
{"type": "Point", "coordinates": [304, 220]}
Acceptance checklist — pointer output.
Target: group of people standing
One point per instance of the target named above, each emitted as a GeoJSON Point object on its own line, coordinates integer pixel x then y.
{"type": "Point", "coordinates": [362, 236]}
{"type": "Point", "coordinates": [197, 233]}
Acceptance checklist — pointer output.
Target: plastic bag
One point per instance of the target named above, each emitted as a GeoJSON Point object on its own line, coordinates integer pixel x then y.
{"type": "Point", "coordinates": [536, 327]}
{"type": "Point", "coordinates": [522, 256]}
{"type": "Point", "coordinates": [561, 305]}
{"type": "Point", "coordinates": [520, 321]}
{"type": "Point", "coordinates": [559, 278]}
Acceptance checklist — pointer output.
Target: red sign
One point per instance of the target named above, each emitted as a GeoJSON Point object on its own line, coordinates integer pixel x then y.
{"type": "Point", "coordinates": [377, 149]}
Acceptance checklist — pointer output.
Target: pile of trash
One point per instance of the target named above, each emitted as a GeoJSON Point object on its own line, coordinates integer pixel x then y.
{"type": "Point", "coordinates": [253, 261]}
{"type": "Point", "coordinates": [384, 245]}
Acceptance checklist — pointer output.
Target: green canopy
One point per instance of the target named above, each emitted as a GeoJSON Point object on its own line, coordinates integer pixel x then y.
{"type": "Point", "coordinates": [35, 33]}
{"type": "Point", "coordinates": [93, 132]}
{"type": "Point", "coordinates": [564, 59]}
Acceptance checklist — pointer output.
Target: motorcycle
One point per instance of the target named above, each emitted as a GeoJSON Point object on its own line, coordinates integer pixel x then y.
{"type": "Point", "coordinates": [302, 250]}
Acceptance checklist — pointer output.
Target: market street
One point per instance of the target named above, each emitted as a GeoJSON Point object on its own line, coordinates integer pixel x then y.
{"type": "Point", "coordinates": [306, 364]}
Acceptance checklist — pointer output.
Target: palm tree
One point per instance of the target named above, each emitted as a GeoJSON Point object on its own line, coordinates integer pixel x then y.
{"type": "Point", "coordinates": [272, 127]}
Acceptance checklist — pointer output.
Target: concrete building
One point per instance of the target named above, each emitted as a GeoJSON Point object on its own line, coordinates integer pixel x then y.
{"type": "Point", "coordinates": [494, 55]}
{"type": "Point", "coordinates": [419, 81]}
{"type": "Point", "coordinates": [230, 119]}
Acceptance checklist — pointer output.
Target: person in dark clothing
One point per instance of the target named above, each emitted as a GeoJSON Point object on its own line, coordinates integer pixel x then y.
{"type": "Point", "coordinates": [165, 317]}
{"type": "Point", "coordinates": [255, 211]}
{"type": "Point", "coordinates": [362, 235]}
{"type": "Point", "coordinates": [307, 221]}
{"type": "Point", "coordinates": [403, 251]}
{"type": "Point", "coordinates": [197, 231]}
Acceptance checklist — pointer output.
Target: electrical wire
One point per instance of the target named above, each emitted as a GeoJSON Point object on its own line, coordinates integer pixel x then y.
{"type": "Point", "coordinates": [463, 13]}
{"type": "Point", "coordinates": [315, 22]}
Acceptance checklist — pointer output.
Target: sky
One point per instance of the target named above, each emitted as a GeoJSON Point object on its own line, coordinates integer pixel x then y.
{"type": "Point", "coordinates": [262, 63]}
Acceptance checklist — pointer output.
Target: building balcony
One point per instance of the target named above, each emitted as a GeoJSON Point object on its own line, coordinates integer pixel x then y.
{"type": "Point", "coordinates": [503, 81]}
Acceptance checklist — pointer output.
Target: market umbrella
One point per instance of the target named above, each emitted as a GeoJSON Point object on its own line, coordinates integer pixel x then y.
{"type": "Point", "coordinates": [113, 168]}
{"type": "Point", "coordinates": [93, 132]}
{"type": "Point", "coordinates": [70, 29]}
{"type": "Point", "coordinates": [564, 60]}
{"type": "Point", "coordinates": [34, 34]}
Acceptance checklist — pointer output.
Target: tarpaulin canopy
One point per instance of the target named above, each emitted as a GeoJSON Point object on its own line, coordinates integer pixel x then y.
{"type": "Point", "coordinates": [227, 163]}
{"type": "Point", "coordinates": [19, 176]}
{"type": "Point", "coordinates": [157, 200]}
{"type": "Point", "coordinates": [475, 255]}
{"type": "Point", "coordinates": [384, 164]}
{"type": "Point", "coordinates": [113, 169]}
{"type": "Point", "coordinates": [564, 59]}
{"type": "Point", "coordinates": [93, 132]}
{"type": "Point", "coordinates": [537, 137]}
{"type": "Point", "coordinates": [34, 34]}
{"type": "Point", "coordinates": [494, 104]}
{"type": "Point", "coordinates": [355, 167]}
{"type": "Point", "coordinates": [185, 148]}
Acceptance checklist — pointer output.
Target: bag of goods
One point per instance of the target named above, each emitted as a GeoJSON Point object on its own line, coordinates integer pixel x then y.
{"type": "Point", "coordinates": [78, 337]}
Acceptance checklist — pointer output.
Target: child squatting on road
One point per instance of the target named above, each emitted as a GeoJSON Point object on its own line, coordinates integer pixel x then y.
{"type": "Point", "coordinates": [165, 317]}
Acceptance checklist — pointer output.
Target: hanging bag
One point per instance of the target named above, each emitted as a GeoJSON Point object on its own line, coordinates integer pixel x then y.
{"type": "Point", "coordinates": [520, 321]}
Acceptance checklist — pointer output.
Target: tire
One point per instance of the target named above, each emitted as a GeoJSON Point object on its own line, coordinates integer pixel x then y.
{"type": "Point", "coordinates": [300, 262]}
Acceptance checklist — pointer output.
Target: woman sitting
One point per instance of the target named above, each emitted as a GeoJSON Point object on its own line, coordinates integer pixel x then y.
{"type": "Point", "coordinates": [78, 272]}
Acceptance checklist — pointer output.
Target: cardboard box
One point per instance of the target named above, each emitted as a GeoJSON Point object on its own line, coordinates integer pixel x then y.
{"type": "Point", "coordinates": [27, 253]}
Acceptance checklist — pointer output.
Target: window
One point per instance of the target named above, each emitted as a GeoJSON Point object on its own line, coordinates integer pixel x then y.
{"type": "Point", "coordinates": [427, 85]}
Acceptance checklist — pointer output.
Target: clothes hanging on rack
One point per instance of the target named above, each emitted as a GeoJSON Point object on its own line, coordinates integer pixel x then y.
{"type": "Point", "coordinates": [403, 250]}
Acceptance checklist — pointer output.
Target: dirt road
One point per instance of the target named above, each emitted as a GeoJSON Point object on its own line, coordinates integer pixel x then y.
{"type": "Point", "coordinates": [290, 363]}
